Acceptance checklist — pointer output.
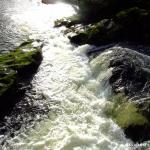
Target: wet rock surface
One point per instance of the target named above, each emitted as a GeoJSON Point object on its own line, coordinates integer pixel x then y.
{"type": "Point", "coordinates": [16, 69]}
{"type": "Point", "coordinates": [112, 21]}
{"type": "Point", "coordinates": [128, 25]}
{"type": "Point", "coordinates": [131, 76]}
{"type": "Point", "coordinates": [131, 72]}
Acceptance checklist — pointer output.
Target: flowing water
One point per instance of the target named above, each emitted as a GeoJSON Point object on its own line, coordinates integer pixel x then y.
{"type": "Point", "coordinates": [68, 93]}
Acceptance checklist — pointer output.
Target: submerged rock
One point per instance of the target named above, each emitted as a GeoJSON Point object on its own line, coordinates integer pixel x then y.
{"type": "Point", "coordinates": [130, 82]}
{"type": "Point", "coordinates": [15, 66]}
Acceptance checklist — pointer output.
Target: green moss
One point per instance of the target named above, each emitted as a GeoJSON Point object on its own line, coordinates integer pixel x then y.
{"type": "Point", "coordinates": [19, 58]}
{"type": "Point", "coordinates": [13, 62]}
{"type": "Point", "coordinates": [125, 113]}
{"type": "Point", "coordinates": [7, 80]}
{"type": "Point", "coordinates": [128, 115]}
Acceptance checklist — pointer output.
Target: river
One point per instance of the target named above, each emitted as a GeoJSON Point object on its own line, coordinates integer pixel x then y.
{"type": "Point", "coordinates": [64, 106]}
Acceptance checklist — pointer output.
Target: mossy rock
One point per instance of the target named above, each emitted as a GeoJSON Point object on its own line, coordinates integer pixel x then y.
{"type": "Point", "coordinates": [127, 25]}
{"type": "Point", "coordinates": [130, 75]}
{"type": "Point", "coordinates": [7, 80]}
{"type": "Point", "coordinates": [21, 58]}
{"type": "Point", "coordinates": [15, 66]}
{"type": "Point", "coordinates": [68, 21]}
{"type": "Point", "coordinates": [125, 113]}
{"type": "Point", "coordinates": [129, 116]}
{"type": "Point", "coordinates": [100, 33]}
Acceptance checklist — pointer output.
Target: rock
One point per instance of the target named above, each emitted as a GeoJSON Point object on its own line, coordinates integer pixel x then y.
{"type": "Point", "coordinates": [130, 82]}
{"type": "Point", "coordinates": [103, 32]}
{"type": "Point", "coordinates": [131, 71]}
{"type": "Point", "coordinates": [63, 22]}
{"type": "Point", "coordinates": [127, 25]}
{"type": "Point", "coordinates": [68, 21]}
{"type": "Point", "coordinates": [129, 117]}
{"type": "Point", "coordinates": [15, 66]}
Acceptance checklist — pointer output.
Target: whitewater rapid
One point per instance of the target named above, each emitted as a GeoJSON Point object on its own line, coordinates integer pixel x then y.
{"type": "Point", "coordinates": [73, 90]}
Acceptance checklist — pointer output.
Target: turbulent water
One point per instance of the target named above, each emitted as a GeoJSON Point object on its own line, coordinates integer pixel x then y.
{"type": "Point", "coordinates": [67, 95]}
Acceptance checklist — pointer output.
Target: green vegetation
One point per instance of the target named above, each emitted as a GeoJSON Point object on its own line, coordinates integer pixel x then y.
{"type": "Point", "coordinates": [125, 113]}
{"type": "Point", "coordinates": [15, 64]}
{"type": "Point", "coordinates": [98, 33]}
{"type": "Point", "coordinates": [126, 21]}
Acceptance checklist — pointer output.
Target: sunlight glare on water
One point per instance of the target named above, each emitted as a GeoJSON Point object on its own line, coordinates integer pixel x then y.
{"type": "Point", "coordinates": [41, 16]}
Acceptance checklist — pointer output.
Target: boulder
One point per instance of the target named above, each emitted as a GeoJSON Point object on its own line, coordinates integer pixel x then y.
{"type": "Point", "coordinates": [15, 67]}
{"type": "Point", "coordinates": [129, 105]}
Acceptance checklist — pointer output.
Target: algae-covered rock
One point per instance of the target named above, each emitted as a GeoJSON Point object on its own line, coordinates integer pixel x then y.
{"type": "Point", "coordinates": [128, 25]}
{"type": "Point", "coordinates": [124, 112]}
{"type": "Point", "coordinates": [7, 80]}
{"type": "Point", "coordinates": [21, 58]}
{"type": "Point", "coordinates": [129, 105]}
{"type": "Point", "coordinates": [103, 32]}
{"type": "Point", "coordinates": [131, 75]}
{"type": "Point", "coordinates": [129, 116]}
{"type": "Point", "coordinates": [14, 66]}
